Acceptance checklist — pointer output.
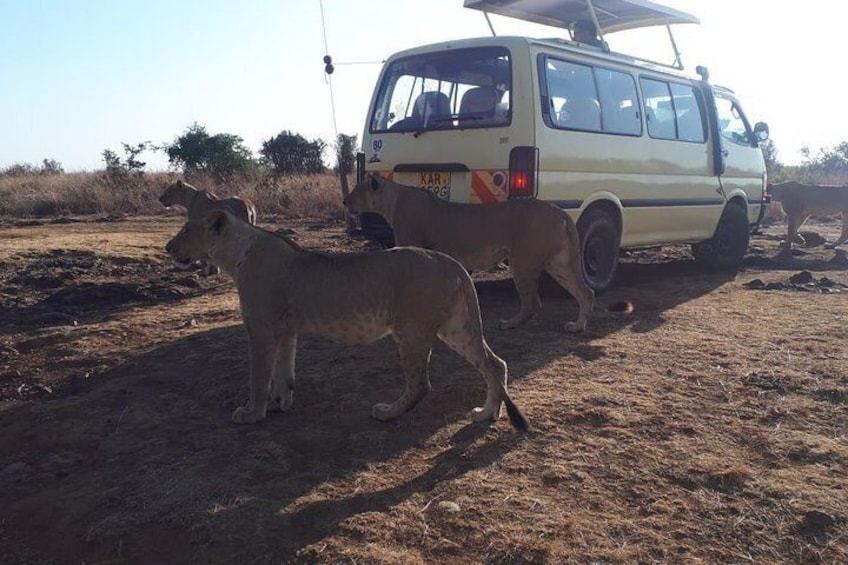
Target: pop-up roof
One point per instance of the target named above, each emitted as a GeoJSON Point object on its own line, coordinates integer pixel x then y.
{"type": "Point", "coordinates": [612, 15]}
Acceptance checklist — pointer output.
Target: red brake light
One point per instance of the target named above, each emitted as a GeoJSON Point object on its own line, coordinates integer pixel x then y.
{"type": "Point", "coordinates": [522, 172]}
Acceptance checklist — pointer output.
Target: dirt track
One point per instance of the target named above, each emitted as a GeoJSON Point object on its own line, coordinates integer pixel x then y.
{"type": "Point", "coordinates": [710, 426]}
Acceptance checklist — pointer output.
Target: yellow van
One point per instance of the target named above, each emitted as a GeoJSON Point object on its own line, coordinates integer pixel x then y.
{"type": "Point", "coordinates": [639, 153]}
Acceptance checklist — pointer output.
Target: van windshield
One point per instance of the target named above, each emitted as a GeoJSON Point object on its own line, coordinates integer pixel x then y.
{"type": "Point", "coordinates": [457, 89]}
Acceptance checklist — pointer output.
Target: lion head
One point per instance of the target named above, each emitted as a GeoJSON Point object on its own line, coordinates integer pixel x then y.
{"type": "Point", "coordinates": [366, 196]}
{"type": "Point", "coordinates": [197, 238]}
{"type": "Point", "coordinates": [174, 194]}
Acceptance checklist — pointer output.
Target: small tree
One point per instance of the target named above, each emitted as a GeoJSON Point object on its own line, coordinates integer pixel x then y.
{"type": "Point", "coordinates": [774, 168]}
{"type": "Point", "coordinates": [51, 167]}
{"type": "Point", "coordinates": [118, 168]}
{"type": "Point", "coordinates": [221, 155]}
{"type": "Point", "coordinates": [346, 147]}
{"type": "Point", "coordinates": [291, 154]}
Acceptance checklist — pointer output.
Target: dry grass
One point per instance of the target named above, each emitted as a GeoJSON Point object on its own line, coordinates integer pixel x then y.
{"type": "Point", "coordinates": [34, 196]}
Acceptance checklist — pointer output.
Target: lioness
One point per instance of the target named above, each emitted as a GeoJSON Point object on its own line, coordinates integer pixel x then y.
{"type": "Point", "coordinates": [533, 235]}
{"type": "Point", "coordinates": [199, 202]}
{"type": "Point", "coordinates": [800, 201]}
{"type": "Point", "coordinates": [413, 294]}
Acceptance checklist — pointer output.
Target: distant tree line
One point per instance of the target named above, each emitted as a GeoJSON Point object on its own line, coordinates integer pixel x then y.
{"type": "Point", "coordinates": [220, 156]}
{"type": "Point", "coordinates": [223, 155]}
{"type": "Point", "coordinates": [828, 166]}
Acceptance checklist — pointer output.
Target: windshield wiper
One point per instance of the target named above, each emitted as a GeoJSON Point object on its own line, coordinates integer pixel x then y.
{"type": "Point", "coordinates": [438, 120]}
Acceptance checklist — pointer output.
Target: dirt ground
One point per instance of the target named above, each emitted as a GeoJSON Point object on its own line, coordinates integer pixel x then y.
{"type": "Point", "coordinates": [710, 426]}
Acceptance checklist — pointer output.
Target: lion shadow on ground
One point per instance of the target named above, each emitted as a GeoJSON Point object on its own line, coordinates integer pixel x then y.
{"type": "Point", "coordinates": [801, 259]}
{"type": "Point", "coordinates": [652, 288]}
{"type": "Point", "coordinates": [152, 443]}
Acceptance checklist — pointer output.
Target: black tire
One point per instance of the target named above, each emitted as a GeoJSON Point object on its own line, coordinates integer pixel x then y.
{"type": "Point", "coordinates": [727, 248]}
{"type": "Point", "coordinates": [376, 228]}
{"type": "Point", "coordinates": [599, 241]}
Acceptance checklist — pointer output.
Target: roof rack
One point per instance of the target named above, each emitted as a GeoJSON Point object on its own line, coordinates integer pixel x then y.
{"type": "Point", "coordinates": [609, 16]}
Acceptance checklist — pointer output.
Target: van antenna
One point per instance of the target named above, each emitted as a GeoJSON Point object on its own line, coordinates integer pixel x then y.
{"type": "Point", "coordinates": [328, 70]}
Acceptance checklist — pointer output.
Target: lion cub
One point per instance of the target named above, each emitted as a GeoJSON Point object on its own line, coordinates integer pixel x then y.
{"type": "Point", "coordinates": [198, 202]}
{"type": "Point", "coordinates": [413, 294]}
{"type": "Point", "coordinates": [534, 236]}
{"type": "Point", "coordinates": [800, 201]}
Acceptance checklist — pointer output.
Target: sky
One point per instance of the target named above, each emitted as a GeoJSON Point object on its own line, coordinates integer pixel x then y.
{"type": "Point", "coordinates": [81, 76]}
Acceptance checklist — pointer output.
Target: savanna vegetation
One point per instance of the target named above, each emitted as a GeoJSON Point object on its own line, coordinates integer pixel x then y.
{"type": "Point", "coordinates": [287, 176]}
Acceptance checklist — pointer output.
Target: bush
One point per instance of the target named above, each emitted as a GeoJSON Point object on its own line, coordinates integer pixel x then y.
{"type": "Point", "coordinates": [117, 169]}
{"type": "Point", "coordinates": [220, 156]}
{"type": "Point", "coordinates": [291, 154]}
{"type": "Point", "coordinates": [48, 167]}
{"type": "Point", "coordinates": [828, 166]}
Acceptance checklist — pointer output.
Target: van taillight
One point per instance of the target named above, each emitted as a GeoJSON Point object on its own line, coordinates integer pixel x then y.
{"type": "Point", "coordinates": [522, 172]}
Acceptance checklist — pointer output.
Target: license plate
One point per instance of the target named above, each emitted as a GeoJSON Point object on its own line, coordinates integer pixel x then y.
{"type": "Point", "coordinates": [437, 183]}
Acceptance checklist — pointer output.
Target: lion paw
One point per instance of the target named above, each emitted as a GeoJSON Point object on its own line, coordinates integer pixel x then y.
{"type": "Point", "coordinates": [574, 327]}
{"type": "Point", "coordinates": [506, 325]}
{"type": "Point", "coordinates": [383, 412]}
{"type": "Point", "coordinates": [245, 415]}
{"type": "Point", "coordinates": [482, 414]}
{"type": "Point", "coordinates": [281, 403]}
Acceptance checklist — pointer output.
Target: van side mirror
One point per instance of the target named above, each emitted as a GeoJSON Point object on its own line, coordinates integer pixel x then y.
{"type": "Point", "coordinates": [761, 131]}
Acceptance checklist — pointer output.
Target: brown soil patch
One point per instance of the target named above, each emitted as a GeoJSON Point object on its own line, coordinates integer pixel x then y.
{"type": "Point", "coordinates": [710, 426]}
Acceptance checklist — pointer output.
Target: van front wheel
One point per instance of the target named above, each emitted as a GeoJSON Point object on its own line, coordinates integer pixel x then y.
{"type": "Point", "coordinates": [726, 249]}
{"type": "Point", "coordinates": [599, 241]}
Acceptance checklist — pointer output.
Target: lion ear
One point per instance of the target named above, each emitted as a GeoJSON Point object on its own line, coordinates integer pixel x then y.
{"type": "Point", "coordinates": [180, 183]}
{"type": "Point", "coordinates": [216, 221]}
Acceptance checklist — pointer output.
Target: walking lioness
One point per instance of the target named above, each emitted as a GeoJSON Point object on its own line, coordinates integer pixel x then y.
{"type": "Point", "coordinates": [534, 236]}
{"type": "Point", "coordinates": [199, 202]}
{"type": "Point", "coordinates": [413, 294]}
{"type": "Point", "coordinates": [800, 201]}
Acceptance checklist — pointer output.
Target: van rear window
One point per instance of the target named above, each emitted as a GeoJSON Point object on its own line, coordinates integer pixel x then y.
{"type": "Point", "coordinates": [457, 89]}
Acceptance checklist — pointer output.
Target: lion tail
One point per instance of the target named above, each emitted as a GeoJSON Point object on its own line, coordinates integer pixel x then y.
{"type": "Point", "coordinates": [516, 416]}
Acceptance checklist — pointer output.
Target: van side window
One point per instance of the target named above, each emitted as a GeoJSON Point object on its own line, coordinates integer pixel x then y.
{"type": "Point", "coordinates": [573, 96]}
{"type": "Point", "coordinates": [673, 111]}
{"type": "Point", "coordinates": [588, 98]}
{"type": "Point", "coordinates": [732, 123]}
{"type": "Point", "coordinates": [619, 103]}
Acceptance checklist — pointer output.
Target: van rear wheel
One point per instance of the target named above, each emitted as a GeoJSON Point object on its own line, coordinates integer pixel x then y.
{"type": "Point", "coordinates": [726, 249]}
{"type": "Point", "coordinates": [599, 242]}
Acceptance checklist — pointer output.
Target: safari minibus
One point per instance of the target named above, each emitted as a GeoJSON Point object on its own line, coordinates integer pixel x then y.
{"type": "Point", "coordinates": [639, 153]}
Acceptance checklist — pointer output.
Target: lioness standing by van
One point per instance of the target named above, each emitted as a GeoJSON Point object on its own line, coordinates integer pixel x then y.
{"type": "Point", "coordinates": [199, 202]}
{"type": "Point", "coordinates": [533, 235]}
{"type": "Point", "coordinates": [413, 294]}
{"type": "Point", "coordinates": [800, 201]}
